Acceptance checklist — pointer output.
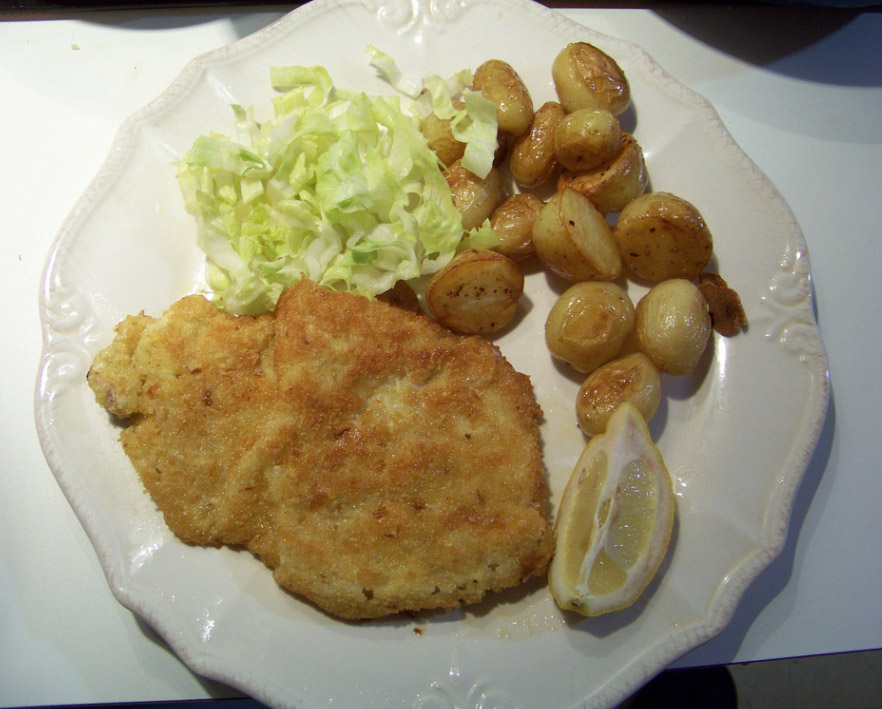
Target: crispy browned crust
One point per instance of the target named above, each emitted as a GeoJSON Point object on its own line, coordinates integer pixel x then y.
{"type": "Point", "coordinates": [723, 303]}
{"type": "Point", "coordinates": [377, 462]}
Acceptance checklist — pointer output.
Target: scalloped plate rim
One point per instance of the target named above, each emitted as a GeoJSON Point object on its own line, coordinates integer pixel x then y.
{"type": "Point", "coordinates": [207, 664]}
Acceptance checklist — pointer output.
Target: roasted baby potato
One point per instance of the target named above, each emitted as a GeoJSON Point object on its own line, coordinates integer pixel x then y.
{"type": "Point", "coordinates": [673, 325]}
{"type": "Point", "coordinates": [532, 156]}
{"type": "Point", "coordinates": [613, 185]}
{"type": "Point", "coordinates": [573, 239]}
{"type": "Point", "coordinates": [633, 378]}
{"type": "Point", "coordinates": [440, 137]}
{"type": "Point", "coordinates": [663, 236]}
{"type": "Point", "coordinates": [587, 77]}
{"type": "Point", "coordinates": [499, 82]}
{"type": "Point", "coordinates": [474, 198]}
{"type": "Point", "coordinates": [587, 138]}
{"type": "Point", "coordinates": [513, 222]}
{"type": "Point", "coordinates": [588, 324]}
{"type": "Point", "coordinates": [476, 293]}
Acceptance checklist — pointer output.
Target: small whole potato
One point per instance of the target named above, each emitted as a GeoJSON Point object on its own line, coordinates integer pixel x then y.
{"type": "Point", "coordinates": [532, 155]}
{"type": "Point", "coordinates": [588, 324]}
{"type": "Point", "coordinates": [673, 325]}
{"type": "Point", "coordinates": [476, 293]}
{"type": "Point", "coordinates": [573, 239]}
{"type": "Point", "coordinates": [586, 77]}
{"type": "Point", "coordinates": [439, 135]}
{"type": "Point", "coordinates": [473, 197]}
{"type": "Point", "coordinates": [611, 186]}
{"type": "Point", "coordinates": [513, 222]}
{"type": "Point", "coordinates": [663, 236]}
{"type": "Point", "coordinates": [587, 138]}
{"type": "Point", "coordinates": [499, 82]}
{"type": "Point", "coordinates": [632, 378]}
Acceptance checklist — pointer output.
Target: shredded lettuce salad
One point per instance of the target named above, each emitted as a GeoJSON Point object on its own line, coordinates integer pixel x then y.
{"type": "Point", "coordinates": [338, 187]}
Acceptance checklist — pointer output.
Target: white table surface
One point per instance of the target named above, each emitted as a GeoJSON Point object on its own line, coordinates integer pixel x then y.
{"type": "Point", "coordinates": [800, 91]}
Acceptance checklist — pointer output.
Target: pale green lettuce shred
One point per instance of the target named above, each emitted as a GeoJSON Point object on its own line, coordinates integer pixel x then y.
{"type": "Point", "coordinates": [388, 68]}
{"type": "Point", "coordinates": [337, 187]}
{"type": "Point", "coordinates": [475, 125]}
{"type": "Point", "coordinates": [477, 128]}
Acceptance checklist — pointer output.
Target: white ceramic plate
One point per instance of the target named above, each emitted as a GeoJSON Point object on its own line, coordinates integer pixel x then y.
{"type": "Point", "coordinates": [737, 434]}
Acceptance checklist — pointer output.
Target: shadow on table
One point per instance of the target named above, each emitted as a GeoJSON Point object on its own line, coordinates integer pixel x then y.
{"type": "Point", "coordinates": [232, 698]}
{"type": "Point", "coordinates": [779, 38]}
{"type": "Point", "coordinates": [245, 18]}
{"type": "Point", "coordinates": [769, 34]}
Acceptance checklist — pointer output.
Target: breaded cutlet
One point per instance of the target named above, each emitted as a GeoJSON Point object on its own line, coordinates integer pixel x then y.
{"type": "Point", "coordinates": [375, 461]}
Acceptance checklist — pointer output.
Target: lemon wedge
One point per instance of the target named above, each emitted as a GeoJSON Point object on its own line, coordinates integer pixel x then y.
{"type": "Point", "coordinates": [615, 519]}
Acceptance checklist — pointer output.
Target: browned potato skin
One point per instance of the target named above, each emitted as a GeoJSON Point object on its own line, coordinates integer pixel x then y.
{"type": "Point", "coordinates": [662, 236]}
{"type": "Point", "coordinates": [440, 138]}
{"type": "Point", "coordinates": [633, 378]}
{"type": "Point", "coordinates": [587, 77]}
{"type": "Point", "coordinates": [587, 326]}
{"type": "Point", "coordinates": [499, 82]}
{"type": "Point", "coordinates": [473, 197]}
{"type": "Point", "coordinates": [513, 222]}
{"type": "Point", "coordinates": [573, 239]}
{"type": "Point", "coordinates": [726, 310]}
{"type": "Point", "coordinates": [612, 186]}
{"type": "Point", "coordinates": [587, 138]}
{"type": "Point", "coordinates": [532, 157]}
{"type": "Point", "coordinates": [673, 325]}
{"type": "Point", "coordinates": [476, 293]}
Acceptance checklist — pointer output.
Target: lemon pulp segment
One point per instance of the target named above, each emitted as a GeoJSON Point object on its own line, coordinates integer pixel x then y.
{"type": "Point", "coordinates": [583, 491]}
{"type": "Point", "coordinates": [615, 519]}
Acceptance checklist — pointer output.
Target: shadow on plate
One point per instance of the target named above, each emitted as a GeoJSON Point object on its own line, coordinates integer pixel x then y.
{"type": "Point", "coordinates": [775, 577]}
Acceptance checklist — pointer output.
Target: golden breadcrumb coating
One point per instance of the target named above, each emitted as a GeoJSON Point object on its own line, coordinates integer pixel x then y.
{"type": "Point", "coordinates": [375, 461]}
